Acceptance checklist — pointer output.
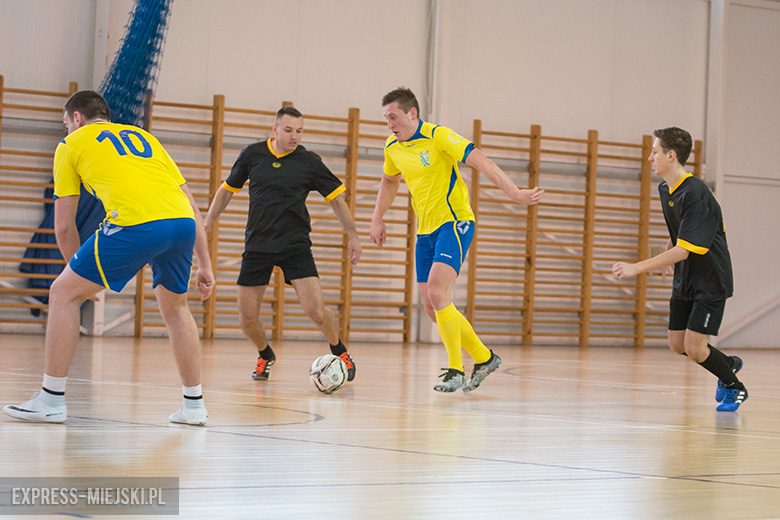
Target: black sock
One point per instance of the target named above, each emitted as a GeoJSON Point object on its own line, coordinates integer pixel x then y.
{"type": "Point", "coordinates": [338, 349]}
{"type": "Point", "coordinates": [721, 365]}
{"type": "Point", "coordinates": [267, 353]}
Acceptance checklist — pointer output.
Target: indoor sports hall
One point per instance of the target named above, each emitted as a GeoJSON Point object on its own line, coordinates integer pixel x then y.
{"type": "Point", "coordinates": [590, 414]}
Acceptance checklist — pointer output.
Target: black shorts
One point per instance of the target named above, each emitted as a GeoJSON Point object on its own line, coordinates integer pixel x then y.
{"type": "Point", "coordinates": [256, 266]}
{"type": "Point", "coordinates": [703, 316]}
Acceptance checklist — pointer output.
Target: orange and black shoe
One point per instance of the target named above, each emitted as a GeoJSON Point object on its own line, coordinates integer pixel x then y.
{"type": "Point", "coordinates": [347, 359]}
{"type": "Point", "coordinates": [262, 369]}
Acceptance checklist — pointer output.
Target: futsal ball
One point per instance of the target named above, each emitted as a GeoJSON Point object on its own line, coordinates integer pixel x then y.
{"type": "Point", "coordinates": [328, 373]}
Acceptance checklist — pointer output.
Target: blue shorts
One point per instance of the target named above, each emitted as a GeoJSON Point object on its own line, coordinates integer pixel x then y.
{"type": "Point", "coordinates": [114, 254]}
{"type": "Point", "coordinates": [448, 244]}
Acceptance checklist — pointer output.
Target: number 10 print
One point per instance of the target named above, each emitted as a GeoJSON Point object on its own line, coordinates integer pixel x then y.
{"type": "Point", "coordinates": [124, 135]}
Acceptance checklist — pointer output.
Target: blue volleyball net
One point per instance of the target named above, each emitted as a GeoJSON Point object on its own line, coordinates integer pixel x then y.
{"type": "Point", "coordinates": [137, 63]}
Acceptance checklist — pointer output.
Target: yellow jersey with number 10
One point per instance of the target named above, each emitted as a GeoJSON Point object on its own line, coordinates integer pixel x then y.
{"type": "Point", "coordinates": [429, 164]}
{"type": "Point", "coordinates": [126, 168]}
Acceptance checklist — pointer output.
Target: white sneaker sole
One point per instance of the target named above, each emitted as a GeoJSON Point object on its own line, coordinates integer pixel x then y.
{"type": "Point", "coordinates": [35, 416]}
{"type": "Point", "coordinates": [180, 418]}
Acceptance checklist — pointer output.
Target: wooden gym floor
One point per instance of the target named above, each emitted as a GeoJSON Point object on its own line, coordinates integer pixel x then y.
{"type": "Point", "coordinates": [555, 433]}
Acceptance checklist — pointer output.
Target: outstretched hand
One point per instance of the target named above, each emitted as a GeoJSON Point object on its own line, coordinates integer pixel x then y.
{"type": "Point", "coordinates": [529, 196]}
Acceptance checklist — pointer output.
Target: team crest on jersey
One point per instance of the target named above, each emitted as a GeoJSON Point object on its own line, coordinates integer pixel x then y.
{"type": "Point", "coordinates": [671, 203]}
{"type": "Point", "coordinates": [425, 158]}
{"type": "Point", "coordinates": [276, 164]}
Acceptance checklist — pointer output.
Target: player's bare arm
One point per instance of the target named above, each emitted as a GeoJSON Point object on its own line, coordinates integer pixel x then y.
{"type": "Point", "coordinates": [65, 230]}
{"type": "Point", "coordinates": [204, 278]}
{"type": "Point", "coordinates": [672, 256]}
{"type": "Point", "coordinates": [340, 208]}
{"type": "Point", "coordinates": [388, 189]}
{"type": "Point", "coordinates": [669, 269]}
{"type": "Point", "coordinates": [477, 159]}
{"type": "Point", "coordinates": [218, 205]}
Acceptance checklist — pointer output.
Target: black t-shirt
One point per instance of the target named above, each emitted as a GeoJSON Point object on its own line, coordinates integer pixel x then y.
{"type": "Point", "coordinates": [695, 222]}
{"type": "Point", "coordinates": [278, 186]}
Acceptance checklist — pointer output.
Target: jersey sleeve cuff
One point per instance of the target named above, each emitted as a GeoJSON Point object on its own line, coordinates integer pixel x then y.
{"type": "Point", "coordinates": [692, 248]}
{"type": "Point", "coordinates": [335, 193]}
{"type": "Point", "coordinates": [466, 153]}
{"type": "Point", "coordinates": [230, 188]}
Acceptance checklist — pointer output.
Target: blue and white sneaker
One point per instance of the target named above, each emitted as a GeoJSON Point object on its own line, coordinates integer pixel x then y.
{"type": "Point", "coordinates": [734, 397]}
{"type": "Point", "coordinates": [720, 390]}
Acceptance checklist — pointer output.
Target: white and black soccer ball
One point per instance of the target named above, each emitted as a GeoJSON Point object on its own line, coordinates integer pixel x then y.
{"type": "Point", "coordinates": [328, 373]}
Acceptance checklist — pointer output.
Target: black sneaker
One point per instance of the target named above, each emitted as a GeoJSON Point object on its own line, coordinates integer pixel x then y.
{"type": "Point", "coordinates": [263, 368]}
{"type": "Point", "coordinates": [347, 359]}
{"type": "Point", "coordinates": [453, 379]}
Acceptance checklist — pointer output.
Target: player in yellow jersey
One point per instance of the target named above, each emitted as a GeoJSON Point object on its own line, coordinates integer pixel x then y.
{"type": "Point", "coordinates": [151, 217]}
{"type": "Point", "coordinates": [427, 156]}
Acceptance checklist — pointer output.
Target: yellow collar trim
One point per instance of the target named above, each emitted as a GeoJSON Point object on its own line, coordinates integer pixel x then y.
{"type": "Point", "coordinates": [271, 148]}
{"type": "Point", "coordinates": [677, 184]}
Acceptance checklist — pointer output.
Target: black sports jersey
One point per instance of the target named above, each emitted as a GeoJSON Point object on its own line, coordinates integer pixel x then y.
{"type": "Point", "coordinates": [278, 186]}
{"type": "Point", "coordinates": [695, 222]}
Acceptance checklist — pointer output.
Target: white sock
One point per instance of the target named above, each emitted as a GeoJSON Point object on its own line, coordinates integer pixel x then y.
{"type": "Point", "coordinates": [53, 393]}
{"type": "Point", "coordinates": [54, 384]}
{"type": "Point", "coordinates": [193, 396]}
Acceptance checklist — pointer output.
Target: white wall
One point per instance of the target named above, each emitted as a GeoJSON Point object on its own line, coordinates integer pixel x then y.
{"type": "Point", "coordinates": [568, 65]}
{"type": "Point", "coordinates": [751, 170]}
{"type": "Point", "coordinates": [325, 56]}
{"type": "Point", "coordinates": [45, 45]}
{"type": "Point", "coordinates": [622, 67]}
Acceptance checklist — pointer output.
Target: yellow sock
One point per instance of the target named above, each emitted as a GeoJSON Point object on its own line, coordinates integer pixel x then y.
{"type": "Point", "coordinates": [449, 329]}
{"type": "Point", "coordinates": [471, 342]}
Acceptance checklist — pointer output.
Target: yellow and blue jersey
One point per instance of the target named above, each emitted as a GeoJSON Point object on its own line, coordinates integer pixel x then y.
{"type": "Point", "coordinates": [429, 164]}
{"type": "Point", "coordinates": [126, 168]}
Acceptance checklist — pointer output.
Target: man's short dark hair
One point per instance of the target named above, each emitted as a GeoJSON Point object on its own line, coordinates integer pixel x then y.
{"type": "Point", "coordinates": [288, 111]}
{"type": "Point", "coordinates": [89, 103]}
{"type": "Point", "coordinates": [676, 139]}
{"type": "Point", "coordinates": [405, 97]}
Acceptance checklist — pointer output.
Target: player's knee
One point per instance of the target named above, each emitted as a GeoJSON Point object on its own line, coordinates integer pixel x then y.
{"type": "Point", "coordinates": [61, 292]}
{"type": "Point", "coordinates": [174, 312]}
{"type": "Point", "coordinates": [696, 352]}
{"type": "Point", "coordinates": [317, 314]}
{"type": "Point", "coordinates": [56, 291]}
{"type": "Point", "coordinates": [437, 298]}
{"type": "Point", "coordinates": [247, 320]}
{"type": "Point", "coordinates": [429, 310]}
